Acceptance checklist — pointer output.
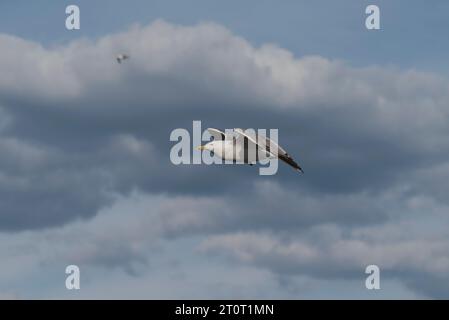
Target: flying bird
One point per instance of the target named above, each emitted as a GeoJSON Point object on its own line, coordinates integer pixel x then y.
{"type": "Point", "coordinates": [246, 147]}
{"type": "Point", "coordinates": [122, 57]}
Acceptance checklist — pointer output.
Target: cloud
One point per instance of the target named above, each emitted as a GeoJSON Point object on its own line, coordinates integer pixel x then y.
{"type": "Point", "coordinates": [134, 235]}
{"type": "Point", "coordinates": [354, 128]}
{"type": "Point", "coordinates": [329, 254]}
{"type": "Point", "coordinates": [85, 169]}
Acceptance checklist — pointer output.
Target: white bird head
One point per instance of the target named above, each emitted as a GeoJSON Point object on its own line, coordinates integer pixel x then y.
{"type": "Point", "coordinates": [208, 146]}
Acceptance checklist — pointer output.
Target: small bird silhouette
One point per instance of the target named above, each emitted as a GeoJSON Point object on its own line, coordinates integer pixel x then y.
{"type": "Point", "coordinates": [122, 57]}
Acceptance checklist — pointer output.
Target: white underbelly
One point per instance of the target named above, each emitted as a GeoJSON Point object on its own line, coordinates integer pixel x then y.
{"type": "Point", "coordinates": [252, 155]}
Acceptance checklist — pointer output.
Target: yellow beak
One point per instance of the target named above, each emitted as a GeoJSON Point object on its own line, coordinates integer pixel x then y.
{"type": "Point", "coordinates": [200, 148]}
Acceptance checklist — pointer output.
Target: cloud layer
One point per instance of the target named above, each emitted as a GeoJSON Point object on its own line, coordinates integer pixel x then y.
{"type": "Point", "coordinates": [85, 173]}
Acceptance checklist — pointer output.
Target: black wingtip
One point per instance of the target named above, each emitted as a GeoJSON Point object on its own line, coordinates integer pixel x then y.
{"type": "Point", "coordinates": [291, 162]}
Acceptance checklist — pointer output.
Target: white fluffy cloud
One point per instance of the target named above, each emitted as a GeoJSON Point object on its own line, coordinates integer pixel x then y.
{"type": "Point", "coordinates": [210, 59]}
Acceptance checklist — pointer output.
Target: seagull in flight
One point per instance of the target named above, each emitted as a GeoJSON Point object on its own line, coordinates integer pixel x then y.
{"type": "Point", "coordinates": [122, 57]}
{"type": "Point", "coordinates": [246, 147]}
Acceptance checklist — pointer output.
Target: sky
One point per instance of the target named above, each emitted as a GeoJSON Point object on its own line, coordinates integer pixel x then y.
{"type": "Point", "coordinates": [86, 176]}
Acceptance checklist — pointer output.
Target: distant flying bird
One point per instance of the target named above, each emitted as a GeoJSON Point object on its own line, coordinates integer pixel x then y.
{"type": "Point", "coordinates": [122, 57]}
{"type": "Point", "coordinates": [249, 148]}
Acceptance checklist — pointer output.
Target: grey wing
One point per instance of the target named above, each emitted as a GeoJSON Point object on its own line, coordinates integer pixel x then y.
{"type": "Point", "coordinates": [271, 148]}
{"type": "Point", "coordinates": [257, 140]}
{"type": "Point", "coordinates": [270, 145]}
{"type": "Point", "coordinates": [250, 146]}
{"type": "Point", "coordinates": [217, 134]}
